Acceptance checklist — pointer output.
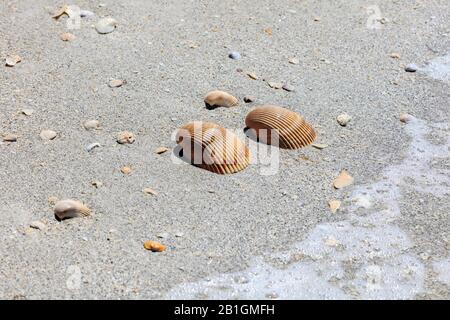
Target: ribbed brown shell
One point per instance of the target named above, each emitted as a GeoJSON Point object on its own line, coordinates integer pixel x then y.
{"type": "Point", "coordinates": [212, 147]}
{"type": "Point", "coordinates": [292, 130]}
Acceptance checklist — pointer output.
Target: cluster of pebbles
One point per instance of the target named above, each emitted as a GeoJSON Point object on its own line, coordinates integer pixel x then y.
{"type": "Point", "coordinates": [223, 152]}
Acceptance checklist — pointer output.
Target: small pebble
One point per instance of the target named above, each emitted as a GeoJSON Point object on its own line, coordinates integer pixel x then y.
{"type": "Point", "coordinates": [48, 134]}
{"type": "Point", "coordinates": [288, 87]}
{"type": "Point", "coordinates": [161, 150]}
{"type": "Point", "coordinates": [395, 55]}
{"type": "Point", "coordinates": [125, 137]}
{"type": "Point", "coordinates": [294, 61]}
{"type": "Point", "coordinates": [234, 55]}
{"type": "Point", "coordinates": [92, 146]}
{"type": "Point", "coordinates": [334, 205]}
{"type": "Point", "coordinates": [179, 234]}
{"type": "Point", "coordinates": [92, 125]}
{"type": "Point", "coordinates": [343, 119]}
{"type": "Point", "coordinates": [248, 99]}
{"type": "Point", "coordinates": [106, 25]}
{"type": "Point", "coordinates": [37, 225]}
{"type": "Point", "coordinates": [9, 137]}
{"type": "Point", "coordinates": [411, 68]}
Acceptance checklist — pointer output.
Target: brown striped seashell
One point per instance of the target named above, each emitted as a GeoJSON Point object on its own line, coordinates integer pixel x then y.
{"type": "Point", "coordinates": [219, 98]}
{"type": "Point", "coordinates": [212, 147]}
{"type": "Point", "coordinates": [66, 209]}
{"type": "Point", "coordinates": [279, 126]}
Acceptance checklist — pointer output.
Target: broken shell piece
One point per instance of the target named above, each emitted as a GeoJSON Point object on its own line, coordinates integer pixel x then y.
{"type": "Point", "coordinates": [405, 117]}
{"type": "Point", "coordinates": [154, 246]}
{"type": "Point", "coordinates": [9, 137]}
{"type": "Point", "coordinates": [334, 205]}
{"type": "Point", "coordinates": [126, 169]}
{"type": "Point", "coordinates": [253, 76]}
{"type": "Point", "coordinates": [343, 180]}
{"type": "Point", "coordinates": [319, 146]}
{"type": "Point", "coordinates": [288, 87]}
{"type": "Point", "coordinates": [92, 146]}
{"type": "Point", "coordinates": [37, 225]}
{"type": "Point", "coordinates": [161, 150]}
{"type": "Point", "coordinates": [343, 119]}
{"type": "Point", "coordinates": [219, 98]}
{"type": "Point", "coordinates": [92, 125]}
{"type": "Point", "coordinates": [66, 209]}
{"type": "Point", "coordinates": [275, 85]}
{"type": "Point", "coordinates": [12, 60]}
{"type": "Point", "coordinates": [212, 147]}
{"type": "Point", "coordinates": [150, 191]}
{"type": "Point", "coordinates": [125, 137]}
{"type": "Point", "coordinates": [248, 99]}
{"type": "Point", "coordinates": [48, 134]}
{"type": "Point", "coordinates": [116, 83]}
{"type": "Point", "coordinates": [294, 61]}
{"type": "Point", "coordinates": [395, 55]}
{"type": "Point", "coordinates": [27, 112]}
{"type": "Point", "coordinates": [280, 127]}
{"type": "Point", "coordinates": [66, 36]}
{"type": "Point", "coordinates": [106, 25]}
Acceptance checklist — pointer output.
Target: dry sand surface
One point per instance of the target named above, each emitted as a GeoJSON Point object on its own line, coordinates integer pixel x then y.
{"type": "Point", "coordinates": [246, 235]}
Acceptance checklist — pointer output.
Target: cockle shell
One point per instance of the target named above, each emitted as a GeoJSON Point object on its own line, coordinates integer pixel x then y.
{"type": "Point", "coordinates": [219, 98]}
{"type": "Point", "coordinates": [66, 209]}
{"type": "Point", "coordinates": [279, 126]}
{"type": "Point", "coordinates": [212, 147]}
{"type": "Point", "coordinates": [154, 246]}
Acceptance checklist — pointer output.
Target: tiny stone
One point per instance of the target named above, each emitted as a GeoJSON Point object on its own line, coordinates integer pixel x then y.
{"type": "Point", "coordinates": [86, 13]}
{"type": "Point", "coordinates": [234, 55]}
{"type": "Point", "coordinates": [316, 18]}
{"type": "Point", "coordinates": [343, 119]}
{"type": "Point", "coordinates": [395, 55]}
{"type": "Point", "coordinates": [248, 99]}
{"type": "Point", "coordinates": [294, 61]}
{"type": "Point", "coordinates": [48, 135]}
{"type": "Point", "coordinates": [37, 225]}
{"type": "Point", "coordinates": [411, 68]}
{"type": "Point", "coordinates": [52, 200]}
{"type": "Point", "coordinates": [179, 234]}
